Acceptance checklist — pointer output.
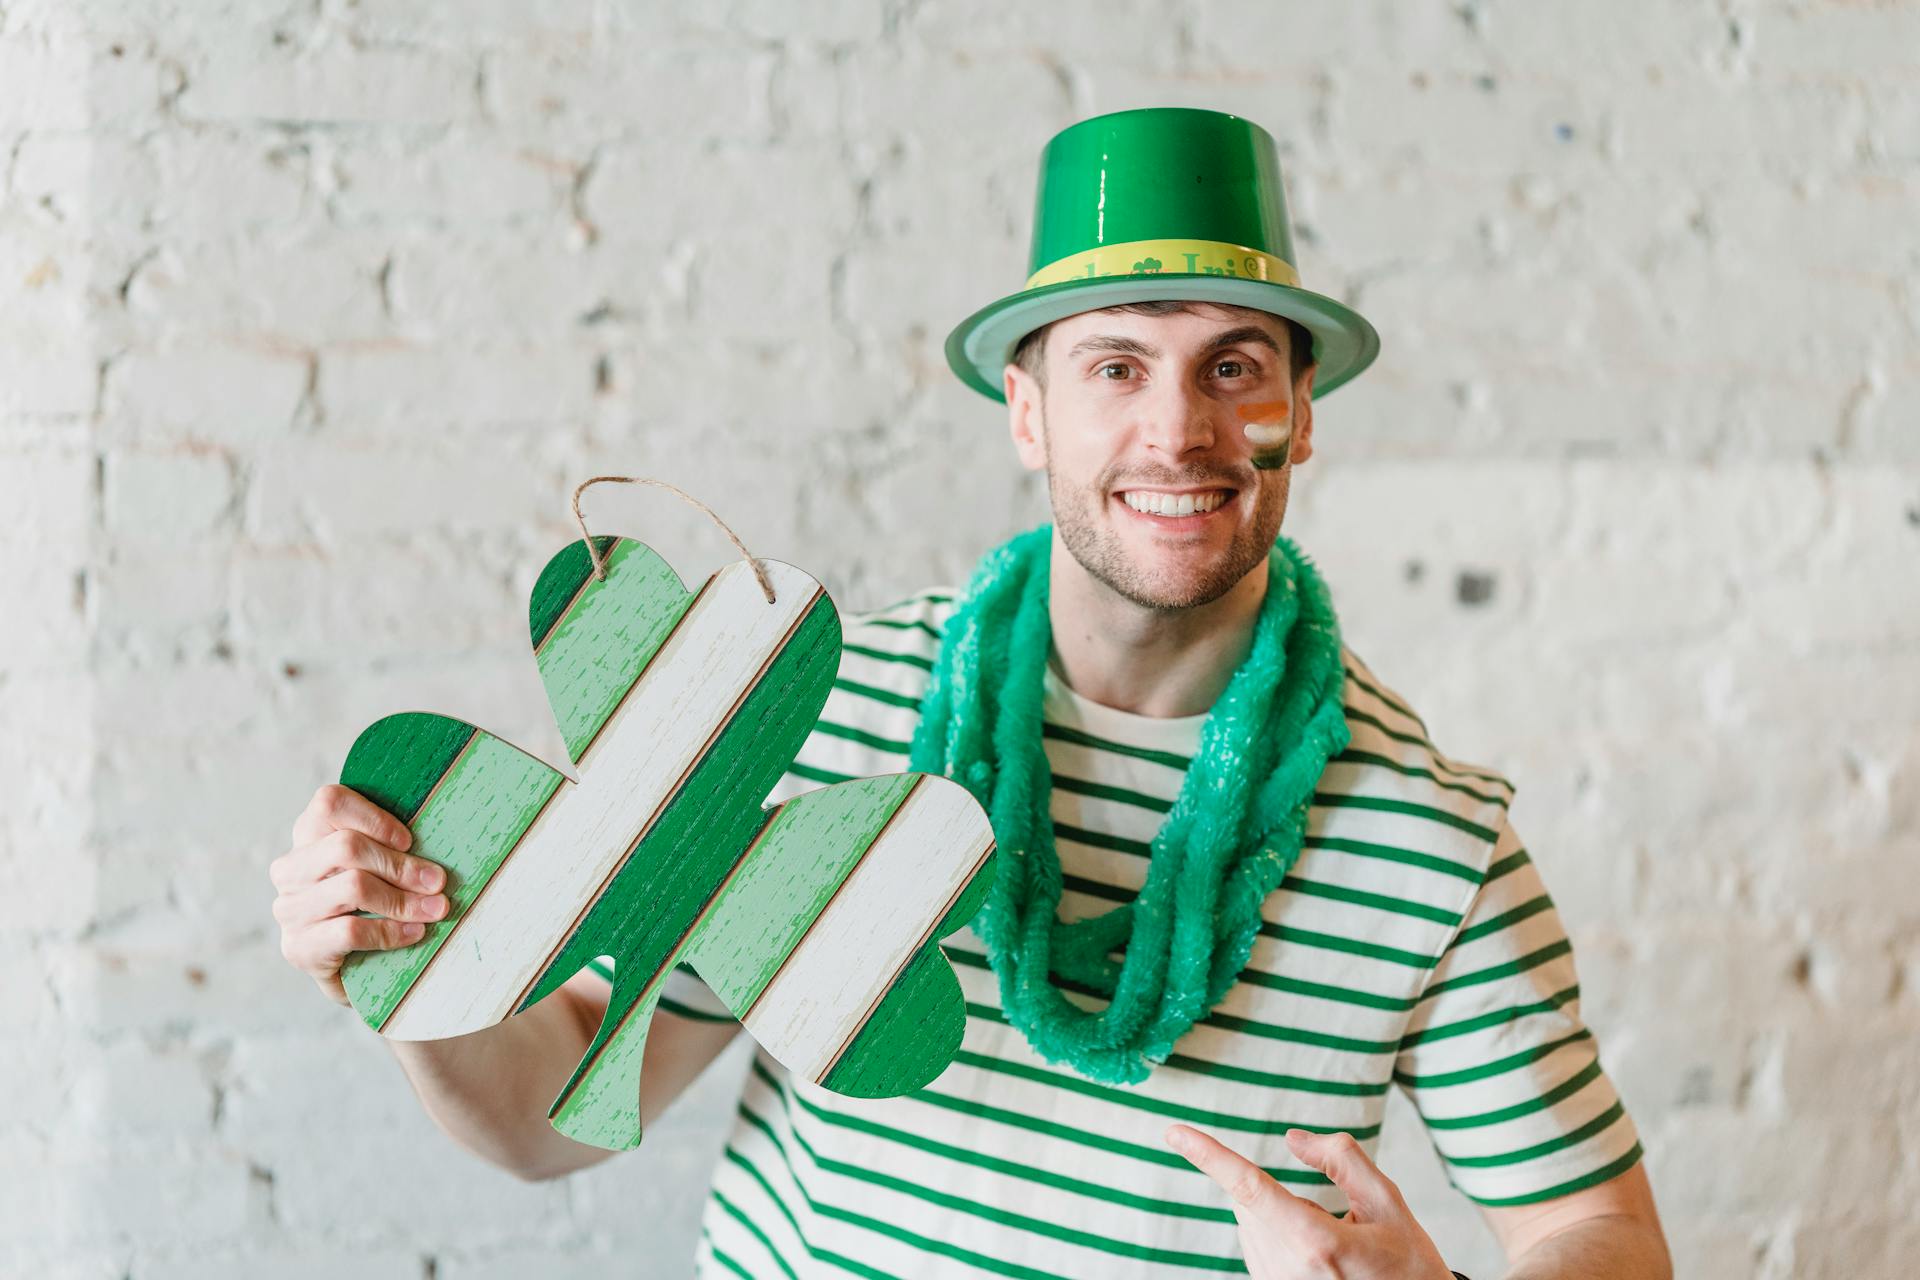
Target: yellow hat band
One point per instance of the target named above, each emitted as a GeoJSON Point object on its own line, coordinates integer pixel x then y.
{"type": "Point", "coordinates": [1166, 257]}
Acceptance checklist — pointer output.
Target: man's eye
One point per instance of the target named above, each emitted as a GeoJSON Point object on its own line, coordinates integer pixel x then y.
{"type": "Point", "coordinates": [1233, 363]}
{"type": "Point", "coordinates": [1115, 365]}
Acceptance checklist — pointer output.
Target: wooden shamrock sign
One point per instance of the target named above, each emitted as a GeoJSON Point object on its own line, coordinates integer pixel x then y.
{"type": "Point", "coordinates": [816, 921]}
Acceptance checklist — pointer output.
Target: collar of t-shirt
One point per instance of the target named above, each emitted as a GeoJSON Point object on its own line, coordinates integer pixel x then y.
{"type": "Point", "coordinates": [1063, 706]}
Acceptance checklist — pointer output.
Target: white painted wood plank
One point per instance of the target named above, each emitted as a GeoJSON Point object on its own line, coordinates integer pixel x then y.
{"type": "Point", "coordinates": [529, 908]}
{"type": "Point", "coordinates": [885, 911]}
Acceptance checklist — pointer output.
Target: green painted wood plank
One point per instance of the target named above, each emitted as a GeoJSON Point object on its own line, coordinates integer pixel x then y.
{"type": "Point", "coordinates": [485, 803]}
{"type": "Point", "coordinates": [803, 857]}
{"type": "Point", "coordinates": [559, 582]}
{"type": "Point", "coordinates": [397, 759]}
{"type": "Point", "coordinates": [598, 647]}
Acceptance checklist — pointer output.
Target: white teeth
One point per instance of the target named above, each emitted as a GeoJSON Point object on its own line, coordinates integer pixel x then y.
{"type": "Point", "coordinates": [1172, 504]}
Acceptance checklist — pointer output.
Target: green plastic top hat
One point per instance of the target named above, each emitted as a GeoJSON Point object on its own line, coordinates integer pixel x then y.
{"type": "Point", "coordinates": [1161, 202]}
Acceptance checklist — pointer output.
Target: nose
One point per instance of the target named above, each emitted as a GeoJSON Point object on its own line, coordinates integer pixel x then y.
{"type": "Point", "coordinates": [1180, 419]}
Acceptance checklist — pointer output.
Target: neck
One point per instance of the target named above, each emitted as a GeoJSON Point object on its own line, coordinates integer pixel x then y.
{"type": "Point", "coordinates": [1151, 662]}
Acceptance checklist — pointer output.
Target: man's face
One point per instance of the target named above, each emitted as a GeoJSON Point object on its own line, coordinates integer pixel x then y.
{"type": "Point", "coordinates": [1150, 408]}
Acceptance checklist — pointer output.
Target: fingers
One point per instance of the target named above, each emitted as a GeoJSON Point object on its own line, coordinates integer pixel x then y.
{"type": "Point", "coordinates": [1370, 1192]}
{"type": "Point", "coordinates": [335, 807]}
{"type": "Point", "coordinates": [317, 949]}
{"type": "Point", "coordinates": [346, 849]}
{"type": "Point", "coordinates": [1246, 1183]}
{"type": "Point", "coordinates": [355, 890]}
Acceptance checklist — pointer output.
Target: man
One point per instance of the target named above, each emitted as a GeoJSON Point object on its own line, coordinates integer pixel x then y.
{"type": "Point", "coordinates": [1240, 892]}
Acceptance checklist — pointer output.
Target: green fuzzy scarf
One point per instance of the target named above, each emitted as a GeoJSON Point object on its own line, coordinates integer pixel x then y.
{"type": "Point", "coordinates": [1233, 831]}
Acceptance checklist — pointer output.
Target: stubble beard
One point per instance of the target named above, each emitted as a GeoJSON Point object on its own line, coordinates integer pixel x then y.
{"type": "Point", "coordinates": [1076, 513]}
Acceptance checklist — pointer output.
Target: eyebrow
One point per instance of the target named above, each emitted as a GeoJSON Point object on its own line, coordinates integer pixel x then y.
{"type": "Point", "coordinates": [1250, 333]}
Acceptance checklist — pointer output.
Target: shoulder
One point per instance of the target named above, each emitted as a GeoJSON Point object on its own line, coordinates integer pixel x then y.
{"type": "Point", "coordinates": [886, 661]}
{"type": "Point", "coordinates": [911, 624]}
{"type": "Point", "coordinates": [1392, 763]}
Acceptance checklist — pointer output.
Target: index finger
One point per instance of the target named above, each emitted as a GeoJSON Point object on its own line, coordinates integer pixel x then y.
{"type": "Point", "coordinates": [338, 808]}
{"type": "Point", "coordinates": [1249, 1186]}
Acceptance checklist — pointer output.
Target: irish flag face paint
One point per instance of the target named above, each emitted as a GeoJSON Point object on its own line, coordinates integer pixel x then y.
{"type": "Point", "coordinates": [1269, 427]}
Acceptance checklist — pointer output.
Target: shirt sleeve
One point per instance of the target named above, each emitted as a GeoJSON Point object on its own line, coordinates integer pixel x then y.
{"type": "Point", "coordinates": [683, 993]}
{"type": "Point", "coordinates": [1497, 1060]}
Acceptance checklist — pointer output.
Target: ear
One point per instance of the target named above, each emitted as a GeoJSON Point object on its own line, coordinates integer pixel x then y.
{"type": "Point", "coordinates": [1303, 417]}
{"type": "Point", "coordinates": [1025, 421]}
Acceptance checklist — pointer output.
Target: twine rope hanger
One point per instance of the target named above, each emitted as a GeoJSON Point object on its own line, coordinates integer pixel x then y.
{"type": "Point", "coordinates": [599, 564]}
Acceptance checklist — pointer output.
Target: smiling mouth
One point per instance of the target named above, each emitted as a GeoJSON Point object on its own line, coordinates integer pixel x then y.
{"type": "Point", "coordinates": [1189, 506]}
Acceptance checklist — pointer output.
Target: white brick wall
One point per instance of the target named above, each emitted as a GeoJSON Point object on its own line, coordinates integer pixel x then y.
{"type": "Point", "coordinates": [311, 313]}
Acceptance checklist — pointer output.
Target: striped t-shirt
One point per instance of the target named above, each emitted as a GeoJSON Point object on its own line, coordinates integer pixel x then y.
{"type": "Point", "coordinates": [1412, 943]}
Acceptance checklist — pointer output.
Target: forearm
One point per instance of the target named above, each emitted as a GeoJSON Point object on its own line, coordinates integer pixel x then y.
{"type": "Point", "coordinates": [1601, 1248]}
{"type": "Point", "coordinates": [489, 1091]}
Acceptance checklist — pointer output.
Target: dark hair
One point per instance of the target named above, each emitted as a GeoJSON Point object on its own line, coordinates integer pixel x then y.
{"type": "Point", "coordinates": [1031, 353]}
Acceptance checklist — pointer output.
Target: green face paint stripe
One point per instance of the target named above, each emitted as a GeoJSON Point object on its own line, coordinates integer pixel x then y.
{"type": "Point", "coordinates": [559, 582]}
{"type": "Point", "coordinates": [805, 854]}
{"type": "Point", "coordinates": [715, 806]}
{"type": "Point", "coordinates": [398, 760]}
{"type": "Point", "coordinates": [476, 816]}
{"type": "Point", "coordinates": [601, 648]}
